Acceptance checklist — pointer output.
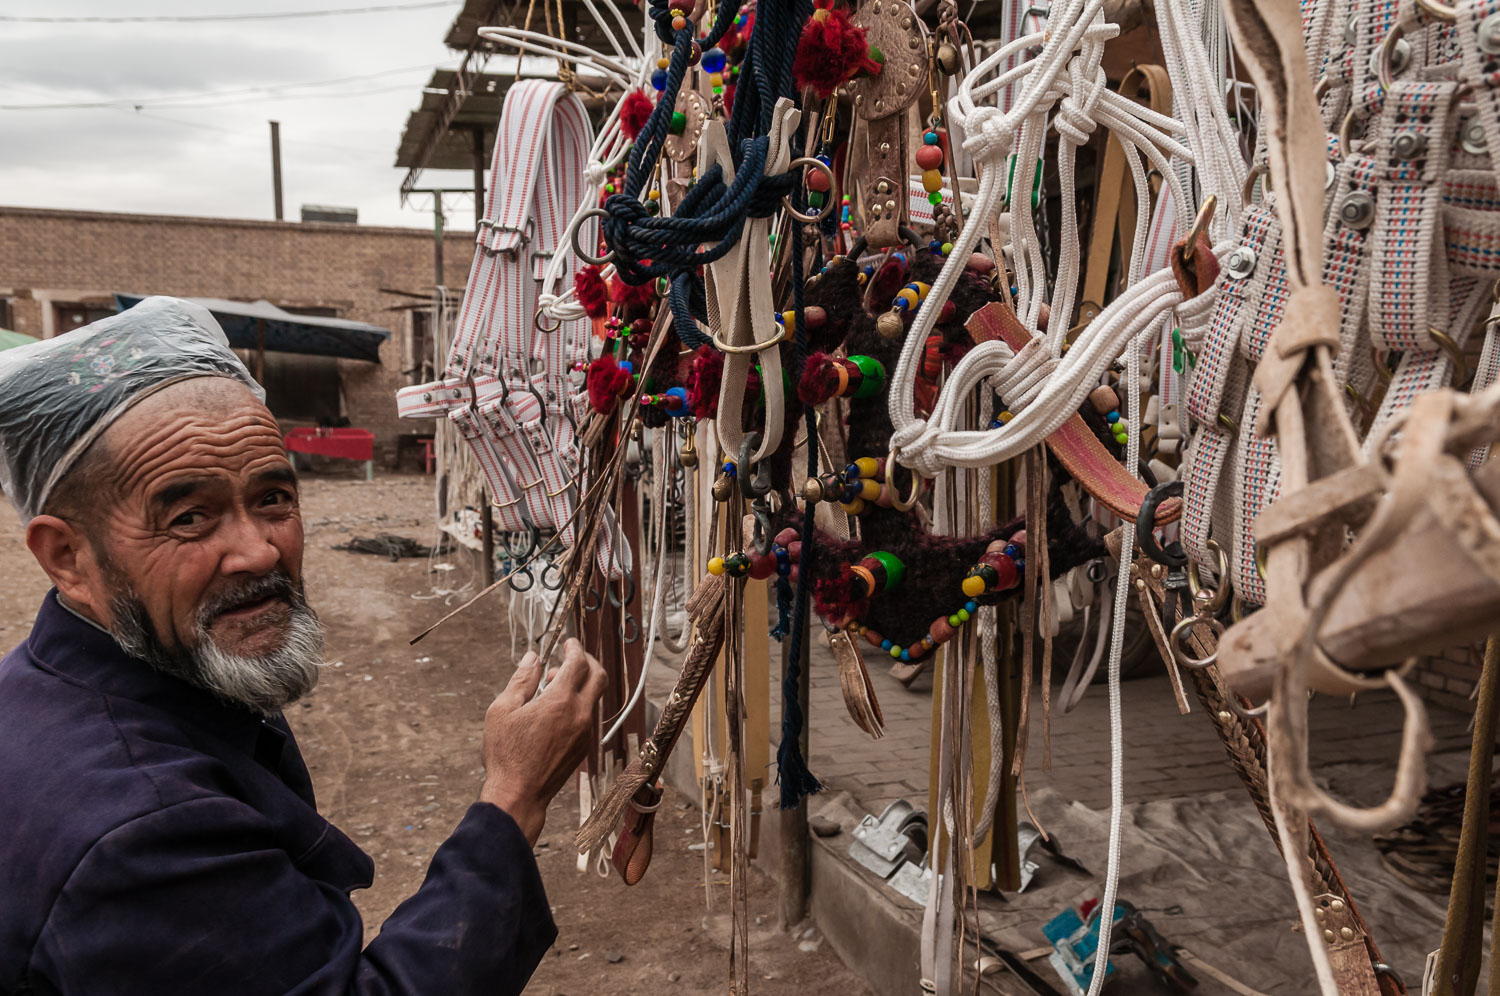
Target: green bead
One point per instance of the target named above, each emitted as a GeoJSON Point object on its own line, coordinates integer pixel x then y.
{"type": "Point", "coordinates": [679, 123]}
{"type": "Point", "coordinates": [963, 615]}
{"type": "Point", "coordinates": [955, 622]}
{"type": "Point", "coordinates": [814, 198]}
{"type": "Point", "coordinates": [896, 652]}
{"type": "Point", "coordinates": [894, 568]}
{"type": "Point", "coordinates": [935, 198]}
{"type": "Point", "coordinates": [873, 375]}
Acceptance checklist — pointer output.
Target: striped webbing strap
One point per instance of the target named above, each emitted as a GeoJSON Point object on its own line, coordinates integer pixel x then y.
{"type": "Point", "coordinates": [1481, 69]}
{"type": "Point", "coordinates": [1409, 286]}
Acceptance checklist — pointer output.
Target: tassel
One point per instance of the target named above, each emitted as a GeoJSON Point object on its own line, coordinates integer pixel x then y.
{"type": "Point", "coordinates": [591, 292]}
{"type": "Point", "coordinates": [632, 298]}
{"type": "Point", "coordinates": [783, 609]}
{"type": "Point", "coordinates": [607, 380]}
{"type": "Point", "coordinates": [634, 111]}
{"type": "Point", "coordinates": [703, 382]}
{"type": "Point", "coordinates": [832, 51]}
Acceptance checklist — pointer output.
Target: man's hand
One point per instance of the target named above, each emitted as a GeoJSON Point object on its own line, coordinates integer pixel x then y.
{"type": "Point", "coordinates": [532, 746]}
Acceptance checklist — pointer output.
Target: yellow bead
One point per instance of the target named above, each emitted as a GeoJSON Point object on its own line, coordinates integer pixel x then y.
{"type": "Point", "coordinates": [715, 79]}
{"type": "Point", "coordinates": [868, 466]}
{"type": "Point", "coordinates": [655, 195]}
{"type": "Point", "coordinates": [869, 490]}
{"type": "Point", "coordinates": [663, 62]}
{"type": "Point", "coordinates": [896, 652]}
{"type": "Point", "coordinates": [853, 507]}
{"type": "Point", "coordinates": [932, 181]}
{"type": "Point", "coordinates": [716, 566]}
{"type": "Point", "coordinates": [909, 296]}
{"type": "Point", "coordinates": [789, 319]}
{"type": "Point", "coordinates": [922, 290]}
{"type": "Point", "coordinates": [1006, 416]}
{"type": "Point", "coordinates": [973, 586]}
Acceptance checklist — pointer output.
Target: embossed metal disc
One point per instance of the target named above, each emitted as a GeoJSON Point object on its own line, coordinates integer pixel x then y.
{"type": "Point", "coordinates": [892, 27]}
{"type": "Point", "coordinates": [695, 108]}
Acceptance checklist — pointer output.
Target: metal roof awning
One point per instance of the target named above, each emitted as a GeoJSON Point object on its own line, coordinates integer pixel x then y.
{"type": "Point", "coordinates": [285, 332]}
{"type": "Point", "coordinates": [10, 340]}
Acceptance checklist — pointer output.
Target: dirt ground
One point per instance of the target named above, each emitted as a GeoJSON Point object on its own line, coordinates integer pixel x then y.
{"type": "Point", "coordinates": [391, 735]}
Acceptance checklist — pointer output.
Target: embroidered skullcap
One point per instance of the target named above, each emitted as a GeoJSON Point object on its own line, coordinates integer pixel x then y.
{"type": "Point", "coordinates": [58, 395]}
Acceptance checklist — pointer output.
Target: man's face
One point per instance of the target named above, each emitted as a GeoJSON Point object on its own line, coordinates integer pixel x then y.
{"type": "Point", "coordinates": [198, 557]}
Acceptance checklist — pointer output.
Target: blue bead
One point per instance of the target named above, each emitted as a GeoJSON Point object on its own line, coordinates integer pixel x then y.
{"type": "Point", "coordinates": [851, 472]}
{"type": "Point", "coordinates": [930, 138]}
{"type": "Point", "coordinates": [729, 469]}
{"type": "Point", "coordinates": [906, 655]}
{"type": "Point", "coordinates": [1112, 417]}
{"type": "Point", "coordinates": [971, 606]}
{"type": "Point", "coordinates": [1012, 551]}
{"type": "Point", "coordinates": [886, 644]}
{"type": "Point", "coordinates": [659, 79]}
{"type": "Point", "coordinates": [996, 423]}
{"type": "Point", "coordinates": [627, 366]}
{"type": "Point", "coordinates": [713, 60]}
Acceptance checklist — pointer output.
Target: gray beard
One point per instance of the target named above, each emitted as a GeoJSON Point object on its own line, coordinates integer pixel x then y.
{"type": "Point", "coordinates": [265, 684]}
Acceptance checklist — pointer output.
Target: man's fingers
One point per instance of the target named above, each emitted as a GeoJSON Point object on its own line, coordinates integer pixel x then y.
{"type": "Point", "coordinates": [598, 681]}
{"type": "Point", "coordinates": [522, 684]}
{"type": "Point", "coordinates": [575, 667]}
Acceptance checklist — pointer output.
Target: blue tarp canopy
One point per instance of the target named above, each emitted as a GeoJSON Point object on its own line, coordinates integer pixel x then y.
{"type": "Point", "coordinates": [246, 321]}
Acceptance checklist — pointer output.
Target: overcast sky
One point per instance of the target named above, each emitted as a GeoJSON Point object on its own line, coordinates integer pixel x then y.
{"type": "Point", "coordinates": [211, 155]}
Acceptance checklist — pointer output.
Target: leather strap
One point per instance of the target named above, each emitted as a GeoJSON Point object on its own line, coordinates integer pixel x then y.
{"type": "Point", "coordinates": [881, 102]}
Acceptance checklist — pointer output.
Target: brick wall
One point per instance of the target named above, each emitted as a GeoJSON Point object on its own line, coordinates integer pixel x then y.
{"type": "Point", "coordinates": [1449, 678]}
{"type": "Point", "coordinates": [83, 257]}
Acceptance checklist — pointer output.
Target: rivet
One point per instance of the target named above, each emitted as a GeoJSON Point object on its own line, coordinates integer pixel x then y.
{"type": "Point", "coordinates": [1156, 570]}
{"type": "Point", "coordinates": [1346, 933]}
{"type": "Point", "coordinates": [882, 186]}
{"type": "Point", "coordinates": [1409, 145]}
{"type": "Point", "coordinates": [1337, 905]}
{"type": "Point", "coordinates": [913, 70]}
{"type": "Point", "coordinates": [900, 89]}
{"type": "Point", "coordinates": [427, 397]}
{"type": "Point", "coordinates": [1140, 584]}
{"type": "Point", "coordinates": [1400, 58]}
{"type": "Point", "coordinates": [1489, 34]}
{"type": "Point", "coordinates": [1471, 136]}
{"type": "Point", "coordinates": [1241, 263]}
{"type": "Point", "coordinates": [1351, 31]}
{"type": "Point", "coordinates": [906, 24]}
{"type": "Point", "coordinates": [875, 7]}
{"type": "Point", "coordinates": [890, 205]}
{"type": "Point", "coordinates": [1224, 716]}
{"type": "Point", "coordinates": [1358, 210]}
{"type": "Point", "coordinates": [1328, 936]}
{"type": "Point", "coordinates": [885, 148]}
{"type": "Point", "coordinates": [879, 104]}
{"type": "Point", "coordinates": [911, 43]}
{"type": "Point", "coordinates": [1320, 913]}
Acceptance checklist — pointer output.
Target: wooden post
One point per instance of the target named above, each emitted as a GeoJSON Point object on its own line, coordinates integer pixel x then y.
{"type": "Point", "coordinates": [794, 877]}
{"type": "Point", "coordinates": [260, 351]}
{"type": "Point", "coordinates": [486, 537]}
{"type": "Point", "coordinates": [478, 176]}
{"type": "Point", "coordinates": [437, 237]}
{"type": "Point", "coordinates": [276, 165]}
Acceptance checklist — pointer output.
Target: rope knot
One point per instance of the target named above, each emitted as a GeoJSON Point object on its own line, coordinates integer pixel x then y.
{"type": "Point", "coordinates": [1021, 380]}
{"type": "Point", "coordinates": [986, 139]}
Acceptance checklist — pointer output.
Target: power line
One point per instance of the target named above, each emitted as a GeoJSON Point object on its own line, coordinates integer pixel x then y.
{"type": "Point", "coordinates": [198, 18]}
{"type": "Point", "coordinates": [177, 99]}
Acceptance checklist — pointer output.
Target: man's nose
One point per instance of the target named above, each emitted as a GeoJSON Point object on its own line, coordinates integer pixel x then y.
{"type": "Point", "coordinates": [248, 546]}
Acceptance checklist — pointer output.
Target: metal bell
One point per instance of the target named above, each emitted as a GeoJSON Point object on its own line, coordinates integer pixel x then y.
{"type": "Point", "coordinates": [947, 58]}
{"type": "Point", "coordinates": [689, 452]}
{"type": "Point", "coordinates": [723, 487]}
{"type": "Point", "coordinates": [890, 326]}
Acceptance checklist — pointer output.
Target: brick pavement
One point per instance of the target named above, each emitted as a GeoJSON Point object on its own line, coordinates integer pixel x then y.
{"type": "Point", "coordinates": [1167, 754]}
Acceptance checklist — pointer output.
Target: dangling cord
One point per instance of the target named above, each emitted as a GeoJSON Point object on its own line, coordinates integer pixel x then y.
{"type": "Point", "coordinates": [1116, 651]}
{"type": "Point", "coordinates": [795, 779]}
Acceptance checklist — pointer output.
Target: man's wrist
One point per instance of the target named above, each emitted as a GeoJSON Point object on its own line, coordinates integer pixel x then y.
{"type": "Point", "coordinates": [529, 816]}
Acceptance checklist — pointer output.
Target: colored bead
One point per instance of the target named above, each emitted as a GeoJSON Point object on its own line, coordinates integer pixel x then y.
{"type": "Point", "coordinates": [659, 79]}
{"type": "Point", "coordinates": [932, 182]}
{"type": "Point", "coordinates": [654, 195]}
{"type": "Point", "coordinates": [817, 180]}
{"type": "Point", "coordinates": [786, 537]}
{"type": "Point", "coordinates": [814, 199]}
{"type": "Point", "coordinates": [973, 586]}
{"type": "Point", "coordinates": [663, 62]}
{"type": "Point", "coordinates": [679, 22]}
{"type": "Point", "coordinates": [763, 566]}
{"type": "Point", "coordinates": [940, 631]}
{"type": "Point", "coordinates": [713, 60]}
{"type": "Point", "coordinates": [954, 621]}
{"type": "Point", "coordinates": [935, 198]}
{"type": "Point", "coordinates": [716, 566]}
{"type": "Point", "coordinates": [895, 570]}
{"type": "Point", "coordinates": [885, 644]}
{"type": "Point", "coordinates": [971, 607]}
{"type": "Point", "coordinates": [906, 655]}
{"type": "Point", "coordinates": [930, 138]}
{"type": "Point", "coordinates": [854, 507]}
{"type": "Point", "coordinates": [869, 489]}
{"type": "Point", "coordinates": [866, 466]}
{"type": "Point", "coordinates": [963, 614]}
{"type": "Point", "coordinates": [947, 248]}
{"type": "Point", "coordinates": [678, 124]}
{"type": "Point", "coordinates": [929, 157]}
{"type": "Point", "coordinates": [1006, 573]}
{"type": "Point", "coordinates": [872, 373]}
{"type": "Point", "coordinates": [694, 54]}
{"type": "Point", "coordinates": [1112, 417]}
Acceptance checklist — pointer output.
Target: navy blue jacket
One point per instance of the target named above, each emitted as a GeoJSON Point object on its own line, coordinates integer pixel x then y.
{"type": "Point", "coordinates": [154, 839]}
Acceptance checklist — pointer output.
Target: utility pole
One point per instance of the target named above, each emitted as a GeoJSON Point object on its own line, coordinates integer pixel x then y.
{"type": "Point", "coordinates": [276, 164]}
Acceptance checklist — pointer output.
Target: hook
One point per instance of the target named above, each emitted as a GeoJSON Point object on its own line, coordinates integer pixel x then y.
{"type": "Point", "coordinates": [1172, 554]}
{"type": "Point", "coordinates": [760, 484]}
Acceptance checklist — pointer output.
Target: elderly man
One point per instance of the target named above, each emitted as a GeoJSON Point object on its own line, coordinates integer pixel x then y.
{"type": "Point", "coordinates": [161, 834]}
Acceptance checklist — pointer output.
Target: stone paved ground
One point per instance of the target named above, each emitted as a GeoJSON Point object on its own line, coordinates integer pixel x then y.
{"type": "Point", "coordinates": [1166, 754]}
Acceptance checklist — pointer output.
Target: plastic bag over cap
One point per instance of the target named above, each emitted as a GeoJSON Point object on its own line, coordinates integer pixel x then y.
{"type": "Point", "coordinates": [58, 395]}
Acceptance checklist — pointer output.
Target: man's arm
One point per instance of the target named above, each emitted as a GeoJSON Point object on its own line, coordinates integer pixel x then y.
{"type": "Point", "coordinates": [201, 898]}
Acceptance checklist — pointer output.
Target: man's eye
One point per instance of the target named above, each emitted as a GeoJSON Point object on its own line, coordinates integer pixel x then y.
{"type": "Point", "coordinates": [278, 497]}
{"type": "Point", "coordinates": [187, 520]}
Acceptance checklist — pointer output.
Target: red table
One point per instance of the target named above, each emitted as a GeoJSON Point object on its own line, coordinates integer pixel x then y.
{"type": "Point", "coordinates": [347, 444]}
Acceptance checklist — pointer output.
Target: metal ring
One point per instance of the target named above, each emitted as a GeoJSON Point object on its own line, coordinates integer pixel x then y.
{"type": "Point", "coordinates": [618, 601]}
{"type": "Point", "coordinates": [566, 487]}
{"type": "Point", "coordinates": [828, 206]}
{"type": "Point", "coordinates": [1171, 555]}
{"type": "Point", "coordinates": [609, 254]}
{"type": "Point", "coordinates": [1215, 600]}
{"type": "Point", "coordinates": [536, 320]}
{"type": "Point", "coordinates": [897, 502]}
{"type": "Point", "coordinates": [1383, 55]}
{"type": "Point", "coordinates": [634, 630]}
{"type": "Point", "coordinates": [1251, 713]}
{"type": "Point", "coordinates": [553, 568]}
{"type": "Point", "coordinates": [1179, 633]}
{"type": "Point", "coordinates": [598, 600]}
{"type": "Point", "coordinates": [1438, 11]}
{"type": "Point", "coordinates": [524, 572]}
{"type": "Point", "coordinates": [755, 347]}
{"type": "Point", "coordinates": [1257, 172]}
{"type": "Point", "coordinates": [1346, 131]}
{"type": "Point", "coordinates": [1454, 353]}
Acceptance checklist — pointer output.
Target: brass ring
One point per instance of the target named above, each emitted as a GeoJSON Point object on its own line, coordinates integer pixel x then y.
{"type": "Point", "coordinates": [565, 487]}
{"type": "Point", "coordinates": [1383, 56]}
{"type": "Point", "coordinates": [1257, 171]}
{"type": "Point", "coordinates": [528, 487]}
{"type": "Point", "coordinates": [1228, 422]}
{"type": "Point", "coordinates": [1454, 353]}
{"type": "Point", "coordinates": [1251, 713]}
{"type": "Point", "coordinates": [1380, 365]}
{"type": "Point", "coordinates": [1346, 130]}
{"type": "Point", "coordinates": [506, 504]}
{"type": "Point", "coordinates": [1214, 600]}
{"type": "Point", "coordinates": [1179, 633]}
{"type": "Point", "coordinates": [828, 205]}
{"type": "Point", "coordinates": [1438, 11]}
{"type": "Point", "coordinates": [536, 320]}
{"type": "Point", "coordinates": [897, 502]}
{"type": "Point", "coordinates": [608, 256]}
{"type": "Point", "coordinates": [754, 347]}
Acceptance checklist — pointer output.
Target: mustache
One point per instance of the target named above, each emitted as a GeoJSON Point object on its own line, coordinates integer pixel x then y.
{"type": "Point", "coordinates": [275, 584]}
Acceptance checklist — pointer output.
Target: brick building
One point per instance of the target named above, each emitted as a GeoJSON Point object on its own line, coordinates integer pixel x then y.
{"type": "Point", "coordinates": [60, 269]}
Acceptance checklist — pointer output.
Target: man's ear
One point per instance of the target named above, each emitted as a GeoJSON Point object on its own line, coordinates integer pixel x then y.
{"type": "Point", "coordinates": [64, 552]}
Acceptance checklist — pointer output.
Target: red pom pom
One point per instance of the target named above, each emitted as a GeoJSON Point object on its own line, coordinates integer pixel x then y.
{"type": "Point", "coordinates": [835, 598]}
{"type": "Point", "coordinates": [589, 289]}
{"type": "Point", "coordinates": [703, 382]}
{"type": "Point", "coordinates": [631, 298]}
{"type": "Point", "coordinates": [819, 379]}
{"type": "Point", "coordinates": [831, 51]}
{"type": "Point", "coordinates": [607, 380]}
{"type": "Point", "coordinates": [636, 108]}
